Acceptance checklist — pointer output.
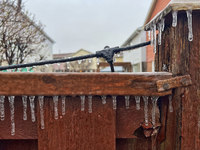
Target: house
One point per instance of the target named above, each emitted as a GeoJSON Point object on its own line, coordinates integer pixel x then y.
{"type": "Point", "coordinates": [155, 7]}
{"type": "Point", "coordinates": [86, 65]}
{"type": "Point", "coordinates": [136, 57]}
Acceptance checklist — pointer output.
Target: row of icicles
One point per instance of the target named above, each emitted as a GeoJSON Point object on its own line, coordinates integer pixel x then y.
{"type": "Point", "coordinates": [55, 100]}
{"type": "Point", "coordinates": [161, 25]}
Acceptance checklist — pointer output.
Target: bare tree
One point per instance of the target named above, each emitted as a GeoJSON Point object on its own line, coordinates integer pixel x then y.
{"type": "Point", "coordinates": [81, 65]}
{"type": "Point", "coordinates": [21, 35]}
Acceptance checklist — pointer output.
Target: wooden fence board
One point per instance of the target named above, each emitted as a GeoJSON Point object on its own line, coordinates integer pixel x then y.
{"type": "Point", "coordinates": [78, 129]}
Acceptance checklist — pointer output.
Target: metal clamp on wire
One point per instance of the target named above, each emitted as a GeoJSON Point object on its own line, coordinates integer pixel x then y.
{"type": "Point", "coordinates": [107, 54]}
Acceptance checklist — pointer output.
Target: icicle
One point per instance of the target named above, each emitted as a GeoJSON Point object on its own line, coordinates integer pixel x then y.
{"type": "Point", "coordinates": [12, 113]}
{"type": "Point", "coordinates": [32, 105]}
{"type": "Point", "coordinates": [82, 102]}
{"type": "Point", "coordinates": [127, 101]}
{"type": "Point", "coordinates": [24, 101]}
{"type": "Point", "coordinates": [90, 104]}
{"type": "Point", "coordinates": [2, 111]}
{"type": "Point", "coordinates": [174, 17]}
{"type": "Point", "coordinates": [154, 100]}
{"type": "Point", "coordinates": [103, 97]}
{"type": "Point", "coordinates": [97, 61]}
{"type": "Point", "coordinates": [160, 33]}
{"type": "Point", "coordinates": [55, 100]}
{"type": "Point", "coordinates": [149, 35]}
{"type": "Point", "coordinates": [79, 62]}
{"type": "Point", "coordinates": [189, 16]}
{"type": "Point", "coordinates": [67, 65]}
{"type": "Point", "coordinates": [63, 105]}
{"type": "Point", "coordinates": [163, 24]}
{"type": "Point", "coordinates": [41, 103]}
{"type": "Point", "coordinates": [170, 104]}
{"type": "Point", "coordinates": [154, 38]}
{"type": "Point", "coordinates": [137, 100]}
{"type": "Point", "coordinates": [114, 102]}
{"type": "Point", "coordinates": [28, 69]}
{"type": "Point", "coordinates": [145, 98]}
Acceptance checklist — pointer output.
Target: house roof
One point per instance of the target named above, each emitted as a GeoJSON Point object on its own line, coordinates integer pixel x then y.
{"type": "Point", "coordinates": [81, 50]}
{"type": "Point", "coordinates": [135, 33]}
{"type": "Point", "coordinates": [174, 5]}
{"type": "Point", "coordinates": [63, 55]}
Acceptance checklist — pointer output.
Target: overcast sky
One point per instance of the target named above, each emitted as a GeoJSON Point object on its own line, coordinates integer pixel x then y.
{"type": "Point", "coordinates": [89, 24]}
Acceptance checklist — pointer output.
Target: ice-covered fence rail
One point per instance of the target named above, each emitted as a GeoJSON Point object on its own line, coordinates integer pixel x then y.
{"type": "Point", "coordinates": [76, 84]}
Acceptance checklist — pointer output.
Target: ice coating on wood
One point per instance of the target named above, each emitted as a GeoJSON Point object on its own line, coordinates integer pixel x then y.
{"type": "Point", "coordinates": [55, 101]}
{"type": "Point", "coordinates": [189, 16]}
{"type": "Point", "coordinates": [63, 105]}
{"type": "Point", "coordinates": [90, 104]}
{"type": "Point", "coordinates": [154, 100]}
{"type": "Point", "coordinates": [160, 33]}
{"type": "Point", "coordinates": [24, 101]}
{"type": "Point", "coordinates": [103, 97]}
{"type": "Point", "coordinates": [41, 103]}
{"type": "Point", "coordinates": [154, 37]}
{"type": "Point", "coordinates": [127, 101]}
{"type": "Point", "coordinates": [12, 113]}
{"type": "Point", "coordinates": [137, 100]}
{"type": "Point", "coordinates": [170, 104]}
{"type": "Point", "coordinates": [174, 18]}
{"type": "Point", "coordinates": [114, 102]}
{"type": "Point", "coordinates": [32, 106]}
{"type": "Point", "coordinates": [145, 98]}
{"type": "Point", "coordinates": [2, 110]}
{"type": "Point", "coordinates": [82, 102]}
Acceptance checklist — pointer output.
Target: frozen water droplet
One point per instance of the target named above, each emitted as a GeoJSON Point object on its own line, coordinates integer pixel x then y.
{"type": "Point", "coordinates": [82, 102]}
{"type": "Point", "coordinates": [58, 64]}
{"type": "Point", "coordinates": [47, 65]}
{"type": "Point", "coordinates": [55, 101]}
{"type": "Point", "coordinates": [28, 69]}
{"type": "Point", "coordinates": [32, 105]}
{"type": "Point", "coordinates": [97, 61]}
{"type": "Point", "coordinates": [174, 18]}
{"type": "Point", "coordinates": [63, 105]}
{"type": "Point", "coordinates": [127, 101]}
{"type": "Point", "coordinates": [24, 101]}
{"type": "Point", "coordinates": [163, 24]}
{"type": "Point", "coordinates": [189, 16]}
{"type": "Point", "coordinates": [103, 97]}
{"type": "Point", "coordinates": [79, 62]}
{"type": "Point", "coordinates": [145, 98]}
{"type": "Point", "coordinates": [137, 100]}
{"type": "Point", "coordinates": [90, 104]}
{"type": "Point", "coordinates": [160, 33]}
{"type": "Point", "coordinates": [12, 113]}
{"type": "Point", "coordinates": [118, 55]}
{"type": "Point", "coordinates": [154, 38]}
{"type": "Point", "coordinates": [2, 111]}
{"type": "Point", "coordinates": [41, 103]}
{"type": "Point", "coordinates": [114, 102]}
{"type": "Point", "coordinates": [90, 60]}
{"type": "Point", "coordinates": [154, 100]}
{"type": "Point", "coordinates": [170, 104]}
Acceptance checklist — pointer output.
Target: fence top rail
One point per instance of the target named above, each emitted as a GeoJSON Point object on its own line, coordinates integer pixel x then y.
{"type": "Point", "coordinates": [76, 84]}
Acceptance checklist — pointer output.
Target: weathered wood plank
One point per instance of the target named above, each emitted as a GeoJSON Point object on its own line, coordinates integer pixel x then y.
{"type": "Point", "coordinates": [78, 129]}
{"type": "Point", "coordinates": [81, 84]}
{"type": "Point", "coordinates": [23, 129]}
{"type": "Point", "coordinates": [176, 82]}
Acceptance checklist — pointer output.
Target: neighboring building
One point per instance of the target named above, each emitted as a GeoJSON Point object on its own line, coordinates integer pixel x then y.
{"type": "Point", "coordinates": [86, 65]}
{"type": "Point", "coordinates": [155, 8]}
{"type": "Point", "coordinates": [137, 57]}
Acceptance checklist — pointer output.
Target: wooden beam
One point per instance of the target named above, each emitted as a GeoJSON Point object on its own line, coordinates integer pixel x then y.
{"type": "Point", "coordinates": [164, 85]}
{"type": "Point", "coordinates": [73, 84]}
